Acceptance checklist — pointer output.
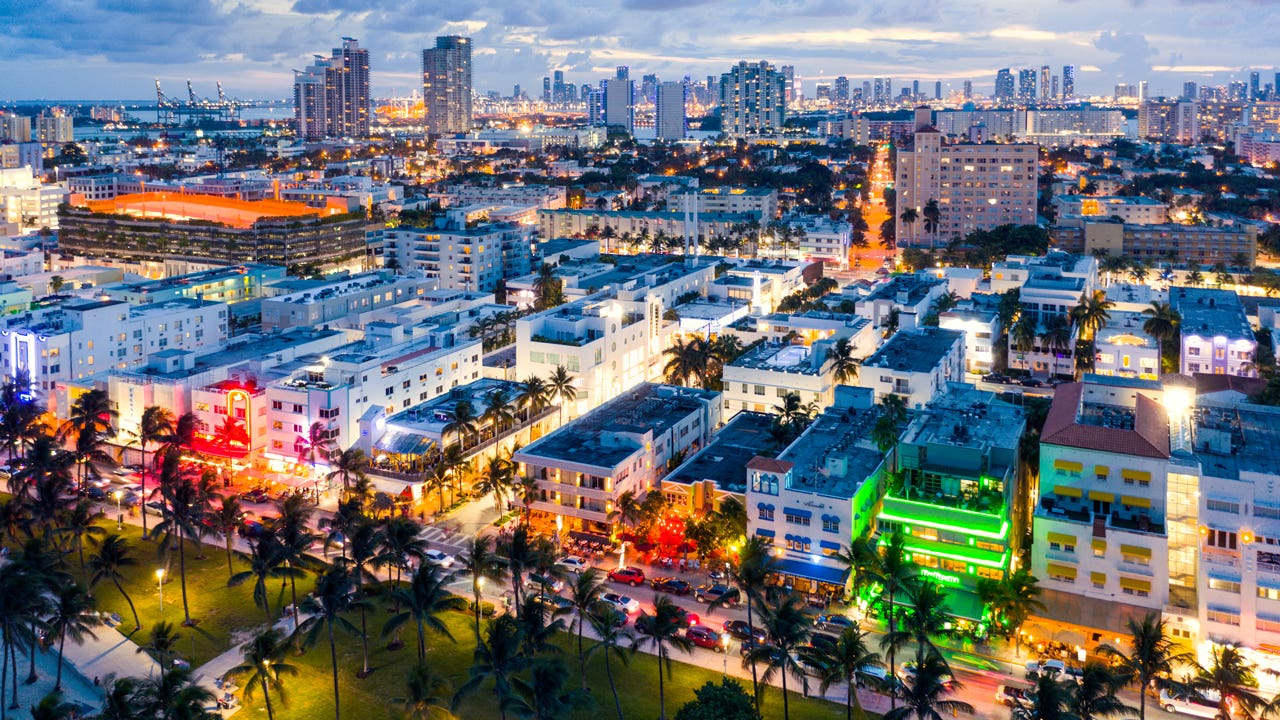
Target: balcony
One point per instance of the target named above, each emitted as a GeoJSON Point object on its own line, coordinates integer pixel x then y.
{"type": "Point", "coordinates": [1136, 523]}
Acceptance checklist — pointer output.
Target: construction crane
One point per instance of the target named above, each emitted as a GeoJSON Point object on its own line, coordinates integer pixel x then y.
{"type": "Point", "coordinates": [171, 110]}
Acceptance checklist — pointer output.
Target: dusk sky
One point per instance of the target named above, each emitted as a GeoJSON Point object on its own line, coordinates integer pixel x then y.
{"type": "Point", "coordinates": [105, 49]}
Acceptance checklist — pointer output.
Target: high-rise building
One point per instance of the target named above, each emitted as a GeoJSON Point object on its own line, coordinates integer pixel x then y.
{"type": "Point", "coordinates": [623, 72]}
{"type": "Point", "coordinates": [649, 87]}
{"type": "Point", "coordinates": [16, 128]}
{"type": "Point", "coordinates": [789, 76]}
{"type": "Point", "coordinates": [967, 90]}
{"type": "Point", "coordinates": [1254, 91]}
{"type": "Point", "coordinates": [54, 127]}
{"type": "Point", "coordinates": [915, 89]}
{"type": "Point", "coordinates": [1045, 81]}
{"type": "Point", "coordinates": [937, 90]}
{"type": "Point", "coordinates": [1068, 82]}
{"type": "Point", "coordinates": [866, 91]}
{"type": "Point", "coordinates": [446, 85]}
{"type": "Point", "coordinates": [619, 102]}
{"type": "Point", "coordinates": [669, 111]}
{"type": "Point", "coordinates": [1188, 90]}
{"type": "Point", "coordinates": [331, 98]}
{"type": "Point", "coordinates": [1055, 94]}
{"type": "Point", "coordinates": [546, 89]}
{"type": "Point", "coordinates": [752, 99]}
{"type": "Point", "coordinates": [1004, 85]}
{"type": "Point", "coordinates": [840, 93]}
{"type": "Point", "coordinates": [1027, 85]}
{"type": "Point", "coordinates": [594, 98]}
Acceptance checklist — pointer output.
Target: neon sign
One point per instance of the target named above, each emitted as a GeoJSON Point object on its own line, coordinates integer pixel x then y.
{"type": "Point", "coordinates": [943, 578]}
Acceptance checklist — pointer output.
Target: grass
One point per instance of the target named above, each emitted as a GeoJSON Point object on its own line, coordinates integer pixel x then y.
{"type": "Point", "coordinates": [310, 693]}
{"type": "Point", "coordinates": [224, 615]}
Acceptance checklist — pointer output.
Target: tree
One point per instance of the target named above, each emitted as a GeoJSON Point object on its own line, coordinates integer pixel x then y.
{"type": "Point", "coordinates": [926, 619]}
{"type": "Point", "coordinates": [401, 540]}
{"type": "Point", "coordinates": [1011, 600]}
{"type": "Point", "coordinates": [226, 519]}
{"type": "Point", "coordinates": [363, 543]}
{"type": "Point", "coordinates": [786, 630]}
{"type": "Point", "coordinates": [754, 565]}
{"type": "Point", "coordinates": [426, 596]}
{"type": "Point", "coordinates": [1056, 337]}
{"type": "Point", "coordinates": [1095, 696]}
{"type": "Point", "coordinates": [155, 426]}
{"type": "Point", "coordinates": [534, 396]}
{"type": "Point", "coordinates": [726, 701]}
{"type": "Point", "coordinates": [53, 707]}
{"type": "Point", "coordinates": [687, 361]}
{"type": "Point", "coordinates": [80, 522]}
{"type": "Point", "coordinates": [543, 696]}
{"type": "Point", "coordinates": [842, 662]}
{"type": "Point", "coordinates": [428, 696]}
{"type": "Point", "coordinates": [1162, 324]}
{"type": "Point", "coordinates": [462, 425]}
{"type": "Point", "coordinates": [662, 631]}
{"type": "Point", "coordinates": [111, 556]}
{"type": "Point", "coordinates": [266, 560]}
{"type": "Point", "coordinates": [1231, 678]}
{"type": "Point", "coordinates": [71, 614]}
{"type": "Point", "coordinates": [496, 480]}
{"type": "Point", "coordinates": [895, 572]}
{"type": "Point", "coordinates": [1024, 333]}
{"type": "Point", "coordinates": [263, 667]}
{"type": "Point", "coordinates": [498, 411]}
{"type": "Point", "coordinates": [1195, 278]}
{"type": "Point", "coordinates": [326, 605]}
{"type": "Point", "coordinates": [231, 432]}
{"type": "Point", "coordinates": [926, 697]}
{"type": "Point", "coordinates": [585, 593]}
{"type": "Point", "coordinates": [612, 635]}
{"type": "Point", "coordinates": [909, 216]}
{"type": "Point", "coordinates": [1049, 699]}
{"type": "Point", "coordinates": [562, 389]}
{"type": "Point", "coordinates": [1152, 659]}
{"type": "Point", "coordinates": [180, 520]}
{"type": "Point", "coordinates": [498, 658]}
{"type": "Point", "coordinates": [316, 445]}
{"type": "Point", "coordinates": [480, 563]}
{"type": "Point", "coordinates": [162, 645]}
{"type": "Point", "coordinates": [932, 217]}
{"type": "Point", "coordinates": [89, 423]}
{"type": "Point", "coordinates": [1091, 315]}
{"type": "Point", "coordinates": [348, 467]}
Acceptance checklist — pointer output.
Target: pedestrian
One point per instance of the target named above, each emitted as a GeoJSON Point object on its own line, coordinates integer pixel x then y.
{"type": "Point", "coordinates": [96, 682]}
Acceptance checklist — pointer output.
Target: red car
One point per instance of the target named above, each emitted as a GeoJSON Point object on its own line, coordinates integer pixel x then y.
{"type": "Point", "coordinates": [629, 575]}
{"type": "Point", "coordinates": [687, 618]}
{"type": "Point", "coordinates": [705, 637]}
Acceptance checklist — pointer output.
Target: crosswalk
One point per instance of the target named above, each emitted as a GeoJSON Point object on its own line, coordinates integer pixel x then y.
{"type": "Point", "coordinates": [443, 538]}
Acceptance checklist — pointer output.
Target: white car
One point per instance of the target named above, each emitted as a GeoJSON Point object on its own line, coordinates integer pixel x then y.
{"type": "Point", "coordinates": [573, 563]}
{"type": "Point", "coordinates": [627, 605]}
{"type": "Point", "coordinates": [439, 558]}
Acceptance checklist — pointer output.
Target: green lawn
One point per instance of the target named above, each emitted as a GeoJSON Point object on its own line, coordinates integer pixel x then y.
{"type": "Point", "coordinates": [310, 693]}
{"type": "Point", "coordinates": [224, 615]}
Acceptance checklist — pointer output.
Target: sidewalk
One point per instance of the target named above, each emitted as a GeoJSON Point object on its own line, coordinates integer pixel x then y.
{"type": "Point", "coordinates": [110, 653]}
{"type": "Point", "coordinates": [209, 674]}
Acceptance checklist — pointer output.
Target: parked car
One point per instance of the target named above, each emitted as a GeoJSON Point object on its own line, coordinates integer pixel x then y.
{"type": "Point", "coordinates": [553, 603]}
{"type": "Point", "coordinates": [257, 495]}
{"type": "Point", "coordinates": [740, 630]}
{"type": "Point", "coordinates": [626, 604]}
{"type": "Point", "coordinates": [1030, 382]}
{"type": "Point", "coordinates": [705, 637]}
{"type": "Point", "coordinates": [573, 563]}
{"type": "Point", "coordinates": [629, 575]}
{"type": "Point", "coordinates": [604, 610]}
{"type": "Point", "coordinates": [688, 618]}
{"type": "Point", "coordinates": [907, 674]}
{"type": "Point", "coordinates": [879, 680]}
{"type": "Point", "coordinates": [713, 593]}
{"type": "Point", "coordinates": [834, 623]}
{"type": "Point", "coordinates": [1011, 695]}
{"type": "Point", "coordinates": [440, 558]}
{"type": "Point", "coordinates": [674, 586]}
{"type": "Point", "coordinates": [751, 644]}
{"type": "Point", "coordinates": [95, 493]}
{"type": "Point", "coordinates": [534, 581]}
{"type": "Point", "coordinates": [122, 471]}
{"type": "Point", "coordinates": [1207, 704]}
{"type": "Point", "coordinates": [995, 378]}
{"type": "Point", "coordinates": [823, 641]}
{"type": "Point", "coordinates": [1056, 668]}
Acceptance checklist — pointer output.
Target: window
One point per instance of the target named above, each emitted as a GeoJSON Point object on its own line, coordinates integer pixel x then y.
{"type": "Point", "coordinates": [1136, 592]}
{"type": "Point", "coordinates": [1268, 625]}
{"type": "Point", "coordinates": [1221, 539]}
{"type": "Point", "coordinates": [766, 513]}
{"type": "Point", "coordinates": [1268, 593]}
{"type": "Point", "coordinates": [1225, 617]}
{"type": "Point", "coordinates": [831, 525]}
{"type": "Point", "coordinates": [277, 405]}
{"type": "Point", "coordinates": [1055, 574]}
{"type": "Point", "coordinates": [1223, 506]}
{"type": "Point", "coordinates": [1062, 547]}
{"type": "Point", "coordinates": [327, 413]}
{"type": "Point", "coordinates": [759, 390]}
{"type": "Point", "coordinates": [796, 519]}
{"type": "Point", "coordinates": [1231, 586]}
{"type": "Point", "coordinates": [297, 408]}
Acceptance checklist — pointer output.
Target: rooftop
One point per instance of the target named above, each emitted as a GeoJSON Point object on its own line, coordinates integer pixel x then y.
{"type": "Point", "coordinates": [432, 416]}
{"type": "Point", "coordinates": [905, 289]}
{"type": "Point", "coordinates": [1125, 328]}
{"type": "Point", "coordinates": [338, 288]}
{"type": "Point", "coordinates": [834, 456]}
{"type": "Point", "coordinates": [1231, 438]}
{"type": "Point", "coordinates": [915, 351]}
{"type": "Point", "coordinates": [725, 459]}
{"type": "Point", "coordinates": [782, 358]}
{"type": "Point", "coordinates": [1142, 430]}
{"type": "Point", "coordinates": [1210, 312]}
{"type": "Point", "coordinates": [968, 417]}
{"type": "Point", "coordinates": [182, 207]}
{"type": "Point", "coordinates": [196, 278]}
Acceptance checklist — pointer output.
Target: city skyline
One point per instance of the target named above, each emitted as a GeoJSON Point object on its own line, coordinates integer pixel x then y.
{"type": "Point", "coordinates": [253, 47]}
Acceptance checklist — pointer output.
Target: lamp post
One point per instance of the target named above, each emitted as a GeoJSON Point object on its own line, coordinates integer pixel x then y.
{"type": "Point", "coordinates": [119, 511]}
{"type": "Point", "coordinates": [724, 650]}
{"type": "Point", "coordinates": [160, 586]}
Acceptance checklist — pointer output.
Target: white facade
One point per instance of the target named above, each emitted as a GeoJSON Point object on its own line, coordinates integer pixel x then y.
{"type": "Point", "coordinates": [1123, 348]}
{"type": "Point", "coordinates": [762, 201]}
{"type": "Point", "coordinates": [462, 258]}
{"type": "Point", "coordinates": [26, 201]}
{"type": "Point", "coordinates": [823, 240]}
{"type": "Point", "coordinates": [760, 379]}
{"type": "Point", "coordinates": [1216, 335]}
{"type": "Point", "coordinates": [1136, 210]}
{"type": "Point", "coordinates": [915, 364]}
{"type": "Point", "coordinates": [981, 330]}
{"type": "Point", "coordinates": [335, 301]}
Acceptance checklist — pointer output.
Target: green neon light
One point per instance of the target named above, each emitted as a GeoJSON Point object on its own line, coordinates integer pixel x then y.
{"type": "Point", "coordinates": [997, 564]}
{"type": "Point", "coordinates": [1004, 525]}
{"type": "Point", "coordinates": [931, 506]}
{"type": "Point", "coordinates": [943, 578]}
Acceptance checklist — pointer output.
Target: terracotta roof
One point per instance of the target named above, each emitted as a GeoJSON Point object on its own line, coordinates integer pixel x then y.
{"type": "Point", "coordinates": [1207, 383]}
{"type": "Point", "coordinates": [770, 465]}
{"type": "Point", "coordinates": [1149, 438]}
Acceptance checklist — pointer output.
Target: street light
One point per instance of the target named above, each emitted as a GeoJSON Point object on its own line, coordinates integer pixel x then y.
{"type": "Point", "coordinates": [724, 650]}
{"type": "Point", "coordinates": [160, 585]}
{"type": "Point", "coordinates": [119, 511]}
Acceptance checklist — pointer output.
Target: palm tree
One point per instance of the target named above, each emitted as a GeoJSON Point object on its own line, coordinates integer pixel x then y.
{"type": "Point", "coordinates": [1091, 315]}
{"type": "Point", "coordinates": [926, 620]}
{"type": "Point", "coordinates": [1024, 333]}
{"type": "Point", "coordinates": [1195, 278]}
{"type": "Point", "coordinates": [1049, 699]}
{"type": "Point", "coordinates": [231, 432]}
{"type": "Point", "coordinates": [1152, 659]}
{"type": "Point", "coordinates": [155, 426]}
{"type": "Point", "coordinates": [498, 411]}
{"type": "Point", "coordinates": [71, 613]}
{"type": "Point", "coordinates": [894, 572]}
{"type": "Point", "coordinates": [52, 706]}
{"type": "Point", "coordinates": [561, 385]}
{"type": "Point", "coordinates": [534, 396]}
{"type": "Point", "coordinates": [162, 645]}
{"type": "Point", "coordinates": [932, 217]}
{"type": "Point", "coordinates": [786, 630]}
{"type": "Point", "coordinates": [266, 560]}
{"type": "Point", "coordinates": [348, 467]}
{"type": "Point", "coordinates": [661, 631]}
{"type": "Point", "coordinates": [926, 697]}
{"type": "Point", "coordinates": [264, 664]}
{"type": "Point", "coordinates": [317, 444]}
{"type": "Point", "coordinates": [909, 216]}
{"type": "Point", "coordinates": [363, 543]}
{"type": "Point", "coordinates": [78, 523]}
{"type": "Point", "coordinates": [296, 537]}
{"type": "Point", "coordinates": [226, 519]}
{"type": "Point", "coordinates": [428, 696]}
{"type": "Point", "coordinates": [1057, 338]}
{"type": "Point", "coordinates": [543, 696]}
{"type": "Point", "coordinates": [611, 636]}
{"type": "Point", "coordinates": [627, 510]}
{"type": "Point", "coordinates": [499, 658]}
{"type": "Point", "coordinates": [401, 541]}
{"type": "Point", "coordinates": [90, 423]}
{"type": "Point", "coordinates": [1095, 697]}
{"type": "Point", "coordinates": [842, 662]}
{"type": "Point", "coordinates": [844, 367]}
{"type": "Point", "coordinates": [1011, 601]}
{"type": "Point", "coordinates": [326, 604]}
{"type": "Point", "coordinates": [463, 424]}
{"type": "Point", "coordinates": [750, 573]}
{"type": "Point", "coordinates": [479, 561]}
{"type": "Point", "coordinates": [111, 556]}
{"type": "Point", "coordinates": [687, 361]}
{"type": "Point", "coordinates": [180, 520]}
{"type": "Point", "coordinates": [585, 594]}
{"type": "Point", "coordinates": [1231, 678]}
{"type": "Point", "coordinates": [426, 596]}
{"type": "Point", "coordinates": [1162, 324]}
{"type": "Point", "coordinates": [496, 480]}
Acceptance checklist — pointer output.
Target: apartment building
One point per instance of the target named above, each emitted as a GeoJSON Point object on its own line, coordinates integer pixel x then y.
{"type": "Point", "coordinates": [1186, 245]}
{"type": "Point", "coordinates": [1123, 348]}
{"type": "Point", "coordinates": [460, 255]}
{"type": "Point", "coordinates": [714, 474]}
{"type": "Point", "coordinates": [1047, 294]}
{"type": "Point", "coordinates": [233, 284]}
{"type": "Point", "coordinates": [822, 239]}
{"type": "Point", "coordinates": [763, 377]}
{"type": "Point", "coordinates": [612, 225]}
{"type": "Point", "coordinates": [625, 445]}
{"type": "Point", "coordinates": [1134, 210]}
{"type": "Point", "coordinates": [762, 201]}
{"type": "Point", "coordinates": [1216, 335]}
{"type": "Point", "coordinates": [981, 328]}
{"type": "Point", "coordinates": [915, 364]}
{"type": "Point", "coordinates": [331, 301]}
{"type": "Point", "coordinates": [908, 297]}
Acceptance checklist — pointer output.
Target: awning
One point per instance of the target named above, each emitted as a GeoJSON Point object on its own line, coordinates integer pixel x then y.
{"type": "Point", "coordinates": [1135, 550]}
{"type": "Point", "coordinates": [1101, 470]}
{"type": "Point", "coordinates": [1102, 496]}
{"type": "Point", "coordinates": [1068, 465]}
{"type": "Point", "coordinates": [1098, 578]}
{"type": "Point", "coordinates": [1099, 544]}
{"type": "Point", "coordinates": [963, 604]}
{"type": "Point", "coordinates": [828, 545]}
{"type": "Point", "coordinates": [1062, 570]}
{"type": "Point", "coordinates": [797, 512]}
{"type": "Point", "coordinates": [763, 506]}
{"type": "Point", "coordinates": [1135, 501]}
{"type": "Point", "coordinates": [762, 532]}
{"type": "Point", "coordinates": [582, 536]}
{"type": "Point", "coordinates": [1062, 538]}
{"type": "Point", "coordinates": [1142, 475]}
{"type": "Point", "coordinates": [812, 571]}
{"type": "Point", "coordinates": [1135, 584]}
{"type": "Point", "coordinates": [1067, 491]}
{"type": "Point", "coordinates": [396, 442]}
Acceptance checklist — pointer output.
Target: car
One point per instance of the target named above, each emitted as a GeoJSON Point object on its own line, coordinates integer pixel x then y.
{"type": "Point", "coordinates": [630, 575]}
{"type": "Point", "coordinates": [719, 592]}
{"type": "Point", "coordinates": [751, 644]}
{"type": "Point", "coordinates": [1206, 704]}
{"type": "Point", "coordinates": [995, 378]}
{"type": "Point", "coordinates": [251, 529]}
{"type": "Point", "coordinates": [705, 637]}
{"type": "Point", "coordinates": [439, 558]}
{"type": "Point", "coordinates": [122, 471]}
{"type": "Point", "coordinates": [257, 495]}
{"type": "Point", "coordinates": [100, 482]}
{"type": "Point", "coordinates": [878, 680]}
{"type": "Point", "coordinates": [95, 493]}
{"type": "Point", "coordinates": [157, 506]}
{"type": "Point", "coordinates": [1030, 382]}
{"type": "Point", "coordinates": [573, 563]}
{"type": "Point", "coordinates": [609, 612]}
{"type": "Point", "coordinates": [1011, 695]}
{"type": "Point", "coordinates": [135, 468]}
{"type": "Point", "coordinates": [1056, 668]}
{"type": "Point", "coordinates": [907, 674]}
{"type": "Point", "coordinates": [836, 623]}
{"type": "Point", "coordinates": [546, 583]}
{"type": "Point", "coordinates": [674, 586]}
{"type": "Point", "coordinates": [740, 630]}
{"type": "Point", "coordinates": [823, 641]}
{"type": "Point", "coordinates": [552, 603]}
{"type": "Point", "coordinates": [688, 618]}
{"type": "Point", "coordinates": [626, 604]}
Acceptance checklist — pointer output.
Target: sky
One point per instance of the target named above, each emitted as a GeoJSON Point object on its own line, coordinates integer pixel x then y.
{"type": "Point", "coordinates": [115, 49]}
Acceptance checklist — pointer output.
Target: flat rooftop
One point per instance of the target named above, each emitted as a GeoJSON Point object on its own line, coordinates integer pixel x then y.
{"type": "Point", "coordinates": [603, 437]}
{"type": "Point", "coordinates": [182, 207]}
{"type": "Point", "coordinates": [725, 459]}
{"type": "Point", "coordinates": [197, 278]}
{"type": "Point", "coordinates": [332, 289]}
{"type": "Point", "coordinates": [432, 416]}
{"type": "Point", "coordinates": [1125, 328]}
{"type": "Point", "coordinates": [915, 351]}
{"type": "Point", "coordinates": [1231, 438]}
{"type": "Point", "coordinates": [1209, 312]}
{"type": "Point", "coordinates": [781, 358]}
{"type": "Point", "coordinates": [907, 289]}
{"type": "Point", "coordinates": [835, 455]}
{"type": "Point", "coordinates": [967, 416]}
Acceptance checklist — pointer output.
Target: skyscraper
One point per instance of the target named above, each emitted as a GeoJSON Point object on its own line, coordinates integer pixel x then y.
{"type": "Point", "coordinates": [1045, 80]}
{"type": "Point", "coordinates": [1068, 82]}
{"type": "Point", "coordinates": [619, 102]}
{"type": "Point", "coordinates": [1027, 85]}
{"type": "Point", "coordinates": [669, 111]}
{"type": "Point", "coordinates": [937, 89]}
{"type": "Point", "coordinates": [623, 72]}
{"type": "Point", "coordinates": [915, 89]}
{"type": "Point", "coordinates": [967, 90]}
{"type": "Point", "coordinates": [789, 77]}
{"type": "Point", "coordinates": [840, 93]}
{"type": "Point", "coordinates": [1004, 85]}
{"type": "Point", "coordinates": [1254, 91]}
{"type": "Point", "coordinates": [331, 97]}
{"type": "Point", "coordinates": [446, 85]}
{"type": "Point", "coordinates": [546, 89]}
{"type": "Point", "coordinates": [1055, 87]}
{"type": "Point", "coordinates": [1188, 90]}
{"type": "Point", "coordinates": [879, 96]}
{"type": "Point", "coordinates": [752, 99]}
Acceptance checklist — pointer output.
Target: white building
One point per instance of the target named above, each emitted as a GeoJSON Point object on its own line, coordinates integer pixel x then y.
{"type": "Point", "coordinates": [1123, 348]}
{"type": "Point", "coordinates": [822, 239]}
{"type": "Point", "coordinates": [761, 378]}
{"type": "Point", "coordinates": [332, 301]}
{"type": "Point", "coordinates": [915, 364]}
{"type": "Point", "coordinates": [1216, 335]}
{"type": "Point", "coordinates": [762, 201]}
{"type": "Point", "coordinates": [910, 297]}
{"type": "Point", "coordinates": [1134, 210]}
{"type": "Point", "coordinates": [981, 330]}
{"type": "Point", "coordinates": [28, 202]}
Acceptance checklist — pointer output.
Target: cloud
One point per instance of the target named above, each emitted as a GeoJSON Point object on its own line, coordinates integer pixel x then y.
{"type": "Point", "coordinates": [1133, 54]}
